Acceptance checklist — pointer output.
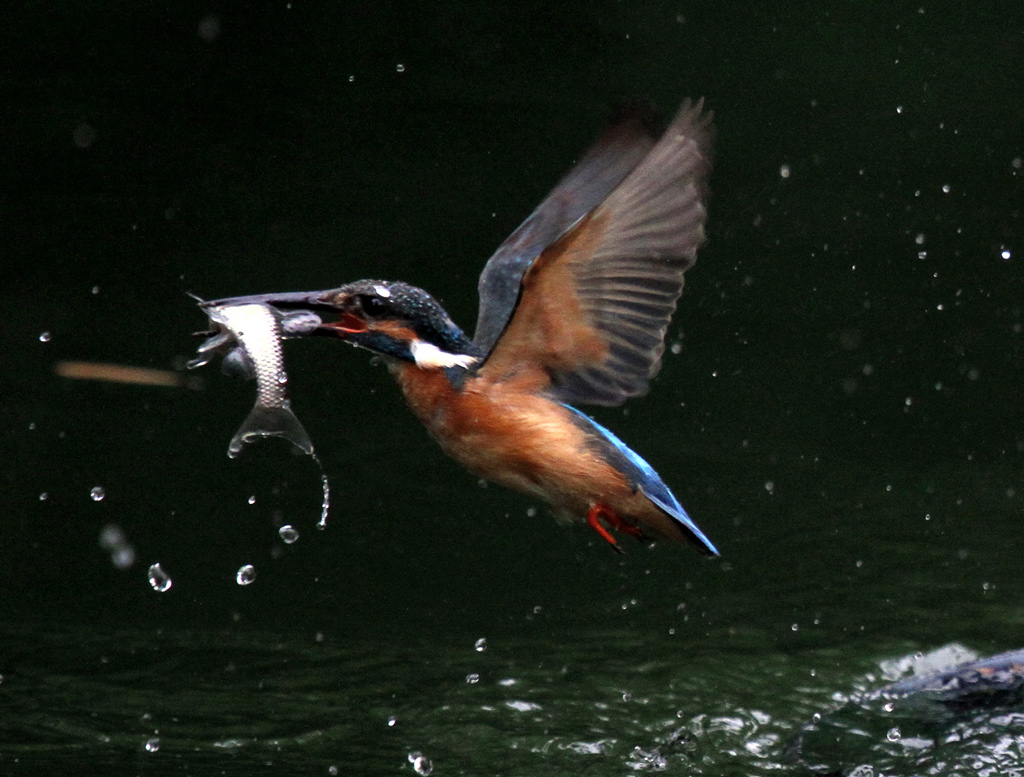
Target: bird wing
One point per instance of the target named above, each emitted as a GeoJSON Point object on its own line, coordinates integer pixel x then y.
{"type": "Point", "coordinates": [629, 137]}
{"type": "Point", "coordinates": [589, 325]}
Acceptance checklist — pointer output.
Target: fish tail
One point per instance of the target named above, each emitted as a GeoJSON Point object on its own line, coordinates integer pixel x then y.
{"type": "Point", "coordinates": [266, 421]}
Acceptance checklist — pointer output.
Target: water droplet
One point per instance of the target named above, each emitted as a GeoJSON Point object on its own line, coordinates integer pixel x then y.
{"type": "Point", "coordinates": [159, 579]}
{"type": "Point", "coordinates": [893, 734]}
{"type": "Point", "coordinates": [795, 627]}
{"type": "Point", "coordinates": [392, 720]}
{"type": "Point", "coordinates": [472, 679]}
{"type": "Point", "coordinates": [282, 377]}
{"type": "Point", "coordinates": [420, 763]}
{"type": "Point", "coordinates": [769, 486]}
{"type": "Point", "coordinates": [288, 534]}
{"type": "Point", "coordinates": [152, 745]}
{"type": "Point", "coordinates": [325, 506]}
{"type": "Point", "coordinates": [400, 67]}
{"type": "Point", "coordinates": [351, 79]}
{"type": "Point", "coordinates": [899, 109]}
{"type": "Point", "coordinates": [531, 512]}
{"type": "Point", "coordinates": [44, 496]}
{"type": "Point", "coordinates": [208, 28]}
{"type": "Point", "coordinates": [676, 348]}
{"type": "Point", "coordinates": [480, 645]}
{"type": "Point", "coordinates": [44, 337]}
{"type": "Point", "coordinates": [946, 188]}
{"type": "Point", "coordinates": [252, 499]}
{"type": "Point", "coordinates": [97, 493]}
{"type": "Point", "coordinates": [83, 136]}
{"type": "Point", "coordinates": [246, 575]}
{"type": "Point", "coordinates": [123, 556]}
{"type": "Point", "coordinates": [1005, 253]}
{"type": "Point", "coordinates": [784, 171]}
{"type": "Point", "coordinates": [919, 239]}
{"type": "Point", "coordinates": [112, 537]}
{"type": "Point", "coordinates": [332, 770]}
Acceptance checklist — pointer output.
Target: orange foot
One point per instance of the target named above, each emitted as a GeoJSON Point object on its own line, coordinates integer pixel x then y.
{"type": "Point", "coordinates": [616, 521]}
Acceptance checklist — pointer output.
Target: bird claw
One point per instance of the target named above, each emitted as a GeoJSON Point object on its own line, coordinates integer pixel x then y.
{"type": "Point", "coordinates": [599, 511]}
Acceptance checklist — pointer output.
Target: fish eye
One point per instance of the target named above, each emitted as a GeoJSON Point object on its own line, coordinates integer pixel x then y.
{"type": "Point", "coordinates": [372, 305]}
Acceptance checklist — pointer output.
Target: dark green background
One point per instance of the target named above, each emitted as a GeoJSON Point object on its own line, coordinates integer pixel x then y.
{"type": "Point", "coordinates": [844, 419]}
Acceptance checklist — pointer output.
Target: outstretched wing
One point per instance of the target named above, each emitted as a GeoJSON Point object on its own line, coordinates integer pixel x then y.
{"type": "Point", "coordinates": [628, 138]}
{"type": "Point", "coordinates": [594, 306]}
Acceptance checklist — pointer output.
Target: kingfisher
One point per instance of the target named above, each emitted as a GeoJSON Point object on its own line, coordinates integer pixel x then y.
{"type": "Point", "coordinates": [574, 307]}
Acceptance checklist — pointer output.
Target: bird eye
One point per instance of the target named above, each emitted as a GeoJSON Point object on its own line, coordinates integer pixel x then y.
{"type": "Point", "coordinates": [372, 305]}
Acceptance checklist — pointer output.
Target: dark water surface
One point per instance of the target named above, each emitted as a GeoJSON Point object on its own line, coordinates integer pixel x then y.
{"type": "Point", "coordinates": [841, 408]}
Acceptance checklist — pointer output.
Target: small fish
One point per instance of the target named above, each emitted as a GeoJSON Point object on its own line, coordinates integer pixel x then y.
{"type": "Point", "coordinates": [257, 330]}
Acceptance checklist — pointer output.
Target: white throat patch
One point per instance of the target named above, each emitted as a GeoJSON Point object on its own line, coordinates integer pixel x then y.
{"type": "Point", "coordinates": [428, 356]}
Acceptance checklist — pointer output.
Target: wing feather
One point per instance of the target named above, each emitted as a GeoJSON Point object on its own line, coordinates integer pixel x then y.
{"type": "Point", "coordinates": [626, 141]}
{"type": "Point", "coordinates": [594, 307]}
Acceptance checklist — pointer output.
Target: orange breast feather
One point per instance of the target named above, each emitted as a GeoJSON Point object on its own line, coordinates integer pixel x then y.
{"type": "Point", "coordinates": [519, 440]}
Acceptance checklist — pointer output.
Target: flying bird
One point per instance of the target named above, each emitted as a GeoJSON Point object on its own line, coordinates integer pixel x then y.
{"type": "Point", "coordinates": [574, 306]}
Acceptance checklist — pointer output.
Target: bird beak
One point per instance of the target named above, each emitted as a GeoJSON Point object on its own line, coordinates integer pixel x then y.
{"type": "Point", "coordinates": [303, 313]}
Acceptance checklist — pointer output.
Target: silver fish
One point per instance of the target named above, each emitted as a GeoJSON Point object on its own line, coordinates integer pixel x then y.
{"type": "Point", "coordinates": [257, 331]}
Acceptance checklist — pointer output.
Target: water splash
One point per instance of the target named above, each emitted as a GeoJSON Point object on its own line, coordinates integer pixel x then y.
{"type": "Point", "coordinates": [325, 505]}
{"type": "Point", "coordinates": [420, 763]}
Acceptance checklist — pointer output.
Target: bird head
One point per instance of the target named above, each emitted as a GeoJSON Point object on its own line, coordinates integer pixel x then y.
{"type": "Point", "coordinates": [391, 318]}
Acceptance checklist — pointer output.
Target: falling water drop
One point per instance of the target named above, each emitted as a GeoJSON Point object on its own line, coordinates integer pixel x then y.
{"type": "Point", "coordinates": [97, 493]}
{"type": "Point", "coordinates": [44, 337]}
{"type": "Point", "coordinates": [246, 575]}
{"type": "Point", "coordinates": [480, 645]}
{"type": "Point", "coordinates": [288, 534]}
{"type": "Point", "coordinates": [159, 579]}
{"type": "Point", "coordinates": [325, 506]}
